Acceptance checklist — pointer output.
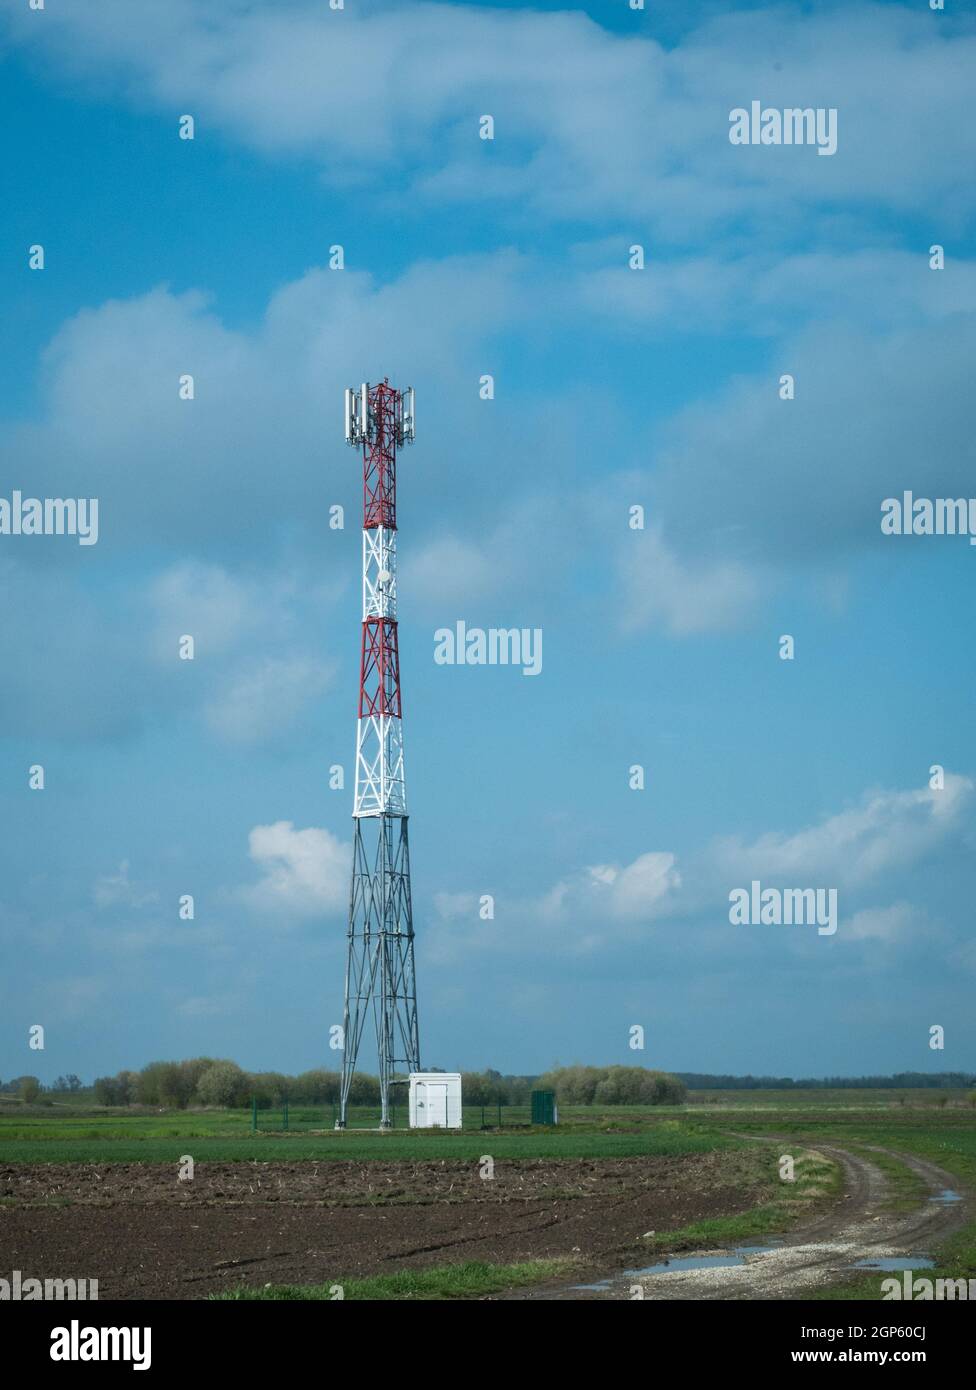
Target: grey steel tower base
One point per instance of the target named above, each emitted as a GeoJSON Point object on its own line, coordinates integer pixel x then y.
{"type": "Point", "coordinates": [380, 966]}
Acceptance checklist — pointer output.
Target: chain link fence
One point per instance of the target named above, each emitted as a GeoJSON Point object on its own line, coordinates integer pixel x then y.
{"type": "Point", "coordinates": [286, 1117]}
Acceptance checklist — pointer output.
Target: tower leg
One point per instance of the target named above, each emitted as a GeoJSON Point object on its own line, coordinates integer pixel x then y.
{"type": "Point", "coordinates": [380, 962]}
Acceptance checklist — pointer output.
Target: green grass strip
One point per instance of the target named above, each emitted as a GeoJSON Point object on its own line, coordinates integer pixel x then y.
{"type": "Point", "coordinates": [394, 1147]}
{"type": "Point", "coordinates": [470, 1280]}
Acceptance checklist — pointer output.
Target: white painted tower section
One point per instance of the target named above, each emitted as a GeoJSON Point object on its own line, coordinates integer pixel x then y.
{"type": "Point", "coordinates": [380, 782]}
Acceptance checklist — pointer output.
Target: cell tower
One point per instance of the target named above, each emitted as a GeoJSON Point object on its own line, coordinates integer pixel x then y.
{"type": "Point", "coordinates": [380, 967]}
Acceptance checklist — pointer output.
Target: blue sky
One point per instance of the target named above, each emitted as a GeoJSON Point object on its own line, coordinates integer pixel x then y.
{"type": "Point", "coordinates": [613, 388]}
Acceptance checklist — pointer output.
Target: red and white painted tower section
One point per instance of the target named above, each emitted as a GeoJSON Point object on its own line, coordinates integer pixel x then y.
{"type": "Point", "coordinates": [380, 976]}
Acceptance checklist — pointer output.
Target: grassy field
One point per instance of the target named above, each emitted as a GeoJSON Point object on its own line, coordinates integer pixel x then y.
{"type": "Point", "coordinates": [61, 1134]}
{"type": "Point", "coordinates": [117, 1137]}
{"type": "Point", "coordinates": [842, 1097]}
{"type": "Point", "coordinates": [939, 1126]}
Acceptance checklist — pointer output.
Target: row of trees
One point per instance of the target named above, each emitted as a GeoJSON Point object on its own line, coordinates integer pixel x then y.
{"type": "Point", "coordinates": [208, 1081]}
{"type": "Point", "coordinates": [176, 1085]}
{"type": "Point", "coordinates": [219, 1082]}
{"type": "Point", "coordinates": [918, 1080]}
{"type": "Point", "coordinates": [613, 1086]}
{"type": "Point", "coordinates": [30, 1085]}
{"type": "Point", "coordinates": [27, 1087]}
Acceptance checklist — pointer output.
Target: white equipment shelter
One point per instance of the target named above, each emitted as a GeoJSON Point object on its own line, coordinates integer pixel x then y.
{"type": "Point", "coordinates": [435, 1100]}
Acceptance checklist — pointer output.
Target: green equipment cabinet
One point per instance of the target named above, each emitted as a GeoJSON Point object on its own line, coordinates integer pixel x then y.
{"type": "Point", "coordinates": [544, 1111]}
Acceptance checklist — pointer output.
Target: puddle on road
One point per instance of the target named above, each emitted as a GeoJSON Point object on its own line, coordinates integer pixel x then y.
{"type": "Point", "coordinates": [736, 1256]}
{"type": "Point", "coordinates": [698, 1262]}
{"type": "Point", "coordinates": [946, 1195]}
{"type": "Point", "coordinates": [911, 1262]}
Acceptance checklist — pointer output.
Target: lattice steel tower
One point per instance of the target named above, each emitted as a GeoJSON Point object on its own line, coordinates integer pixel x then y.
{"type": "Point", "coordinates": [380, 967]}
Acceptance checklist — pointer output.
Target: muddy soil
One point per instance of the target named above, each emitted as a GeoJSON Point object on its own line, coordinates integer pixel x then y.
{"type": "Point", "coordinates": [144, 1234]}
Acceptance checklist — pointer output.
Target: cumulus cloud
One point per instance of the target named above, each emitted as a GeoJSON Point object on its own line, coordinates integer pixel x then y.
{"type": "Point", "coordinates": [890, 924]}
{"type": "Point", "coordinates": [252, 635]}
{"type": "Point", "coordinates": [603, 907]}
{"type": "Point", "coordinates": [449, 569]}
{"type": "Point", "coordinates": [610, 124]}
{"type": "Point", "coordinates": [888, 831]}
{"type": "Point", "coordinates": [456, 907]}
{"type": "Point", "coordinates": [744, 488]}
{"type": "Point", "coordinates": [853, 849]}
{"type": "Point", "coordinates": [266, 696]}
{"type": "Point", "coordinates": [117, 890]}
{"type": "Point", "coordinates": [304, 873]}
{"type": "Point", "coordinates": [509, 555]}
{"type": "Point", "coordinates": [683, 596]}
{"type": "Point", "coordinates": [639, 889]}
{"type": "Point", "coordinates": [877, 287]}
{"type": "Point", "coordinates": [749, 489]}
{"type": "Point", "coordinates": [217, 608]}
{"type": "Point", "coordinates": [82, 674]}
{"type": "Point", "coordinates": [585, 914]}
{"type": "Point", "coordinates": [259, 448]}
{"type": "Point", "coordinates": [105, 651]}
{"type": "Point", "coordinates": [624, 893]}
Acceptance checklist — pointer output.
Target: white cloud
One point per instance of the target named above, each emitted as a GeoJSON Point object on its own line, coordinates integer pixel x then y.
{"type": "Point", "coordinates": [606, 906]}
{"type": "Point", "coordinates": [105, 657]}
{"type": "Point", "coordinates": [217, 608]}
{"type": "Point", "coordinates": [262, 397]}
{"type": "Point", "coordinates": [889, 831]}
{"type": "Point", "coordinates": [456, 907]}
{"type": "Point", "coordinates": [875, 286]}
{"type": "Point", "coordinates": [583, 915]}
{"type": "Point", "coordinates": [503, 558]}
{"type": "Point", "coordinates": [748, 489]}
{"type": "Point", "coordinates": [895, 923]}
{"type": "Point", "coordinates": [83, 672]}
{"type": "Point", "coordinates": [608, 125]}
{"type": "Point", "coordinates": [640, 889]}
{"type": "Point", "coordinates": [252, 669]}
{"type": "Point", "coordinates": [305, 873]}
{"type": "Point", "coordinates": [451, 570]}
{"type": "Point", "coordinates": [266, 696]}
{"type": "Point", "coordinates": [683, 596]}
{"type": "Point", "coordinates": [745, 487]}
{"type": "Point", "coordinates": [117, 890]}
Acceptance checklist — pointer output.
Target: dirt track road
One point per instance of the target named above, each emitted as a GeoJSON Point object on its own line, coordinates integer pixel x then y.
{"type": "Point", "coordinates": [857, 1227]}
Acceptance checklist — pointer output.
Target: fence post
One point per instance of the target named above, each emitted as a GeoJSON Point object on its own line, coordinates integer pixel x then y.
{"type": "Point", "coordinates": [499, 1114]}
{"type": "Point", "coordinates": [284, 1115]}
{"type": "Point", "coordinates": [254, 1114]}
